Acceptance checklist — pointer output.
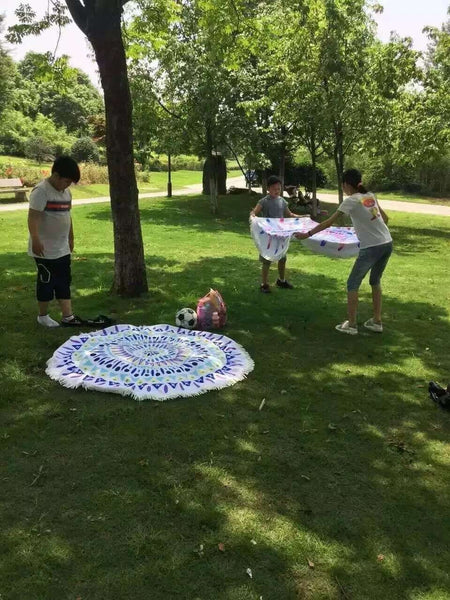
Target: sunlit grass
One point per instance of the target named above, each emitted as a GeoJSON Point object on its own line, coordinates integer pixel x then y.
{"type": "Point", "coordinates": [337, 488]}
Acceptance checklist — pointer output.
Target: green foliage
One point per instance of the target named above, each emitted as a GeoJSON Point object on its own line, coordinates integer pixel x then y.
{"type": "Point", "coordinates": [39, 148]}
{"type": "Point", "coordinates": [39, 109]}
{"type": "Point", "coordinates": [6, 74]}
{"type": "Point", "coordinates": [178, 162]}
{"type": "Point", "coordinates": [92, 173]}
{"type": "Point", "coordinates": [259, 80]}
{"type": "Point", "coordinates": [85, 150]}
{"type": "Point", "coordinates": [16, 129]}
{"type": "Point", "coordinates": [29, 24]}
{"type": "Point", "coordinates": [24, 170]}
{"type": "Point", "coordinates": [59, 91]}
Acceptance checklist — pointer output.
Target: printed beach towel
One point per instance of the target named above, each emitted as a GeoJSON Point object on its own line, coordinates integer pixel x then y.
{"type": "Point", "coordinates": [272, 237]}
{"type": "Point", "coordinates": [155, 362]}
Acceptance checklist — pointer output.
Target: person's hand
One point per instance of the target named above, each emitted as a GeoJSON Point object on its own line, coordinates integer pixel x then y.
{"type": "Point", "coordinates": [301, 236]}
{"type": "Point", "coordinates": [71, 245]}
{"type": "Point", "coordinates": [37, 247]}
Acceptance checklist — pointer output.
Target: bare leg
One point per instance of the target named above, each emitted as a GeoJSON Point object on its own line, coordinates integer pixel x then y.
{"type": "Point", "coordinates": [352, 307]}
{"type": "Point", "coordinates": [43, 308]}
{"type": "Point", "coordinates": [66, 307]}
{"type": "Point", "coordinates": [377, 302]}
{"type": "Point", "coordinates": [265, 273]}
{"type": "Point", "coordinates": [281, 269]}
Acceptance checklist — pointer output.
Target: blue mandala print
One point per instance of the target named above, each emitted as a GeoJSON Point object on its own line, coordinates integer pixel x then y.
{"type": "Point", "coordinates": [157, 362]}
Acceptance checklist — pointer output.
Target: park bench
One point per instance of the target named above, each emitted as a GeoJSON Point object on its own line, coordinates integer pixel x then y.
{"type": "Point", "coordinates": [14, 186]}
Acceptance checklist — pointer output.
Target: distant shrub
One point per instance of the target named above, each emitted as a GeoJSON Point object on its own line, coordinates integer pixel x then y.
{"type": "Point", "coordinates": [143, 176]}
{"type": "Point", "coordinates": [39, 148]}
{"type": "Point", "coordinates": [92, 173]}
{"type": "Point", "coordinates": [85, 150]}
{"type": "Point", "coordinates": [188, 163]}
{"type": "Point", "coordinates": [181, 162]}
{"type": "Point", "coordinates": [30, 176]}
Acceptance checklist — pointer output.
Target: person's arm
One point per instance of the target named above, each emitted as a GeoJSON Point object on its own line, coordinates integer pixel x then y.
{"type": "Point", "coordinates": [327, 223]}
{"type": "Point", "coordinates": [383, 215]}
{"type": "Point", "coordinates": [71, 238]}
{"type": "Point", "coordinates": [34, 219]}
{"type": "Point", "coordinates": [255, 212]}
{"type": "Point", "coordinates": [288, 213]}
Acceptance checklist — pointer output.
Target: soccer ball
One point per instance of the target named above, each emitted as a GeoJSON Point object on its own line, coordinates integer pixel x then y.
{"type": "Point", "coordinates": [186, 317]}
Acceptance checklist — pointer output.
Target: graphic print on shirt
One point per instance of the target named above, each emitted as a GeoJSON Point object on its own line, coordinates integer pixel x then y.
{"type": "Point", "coordinates": [371, 205]}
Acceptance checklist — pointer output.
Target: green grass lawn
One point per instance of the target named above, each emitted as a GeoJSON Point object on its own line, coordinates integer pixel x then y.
{"type": "Point", "coordinates": [337, 489]}
{"type": "Point", "coordinates": [402, 197]}
{"type": "Point", "coordinates": [157, 183]}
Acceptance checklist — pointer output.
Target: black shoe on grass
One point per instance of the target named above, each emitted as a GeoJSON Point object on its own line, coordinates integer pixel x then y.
{"type": "Point", "coordinates": [265, 288]}
{"type": "Point", "coordinates": [74, 321]}
{"type": "Point", "coordinates": [284, 284]}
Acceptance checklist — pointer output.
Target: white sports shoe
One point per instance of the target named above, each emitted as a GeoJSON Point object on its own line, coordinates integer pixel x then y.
{"type": "Point", "coordinates": [370, 324]}
{"type": "Point", "coordinates": [47, 321]}
{"type": "Point", "coordinates": [345, 328]}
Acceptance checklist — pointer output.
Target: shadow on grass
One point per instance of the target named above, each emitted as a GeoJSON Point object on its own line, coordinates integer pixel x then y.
{"type": "Point", "coordinates": [410, 240]}
{"type": "Point", "coordinates": [345, 467]}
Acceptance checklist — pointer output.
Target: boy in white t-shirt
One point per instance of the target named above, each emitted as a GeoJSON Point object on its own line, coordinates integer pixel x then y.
{"type": "Point", "coordinates": [51, 240]}
{"type": "Point", "coordinates": [369, 221]}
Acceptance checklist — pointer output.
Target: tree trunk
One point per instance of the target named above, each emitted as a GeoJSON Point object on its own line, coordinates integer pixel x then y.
{"type": "Point", "coordinates": [338, 155]}
{"type": "Point", "coordinates": [264, 182]}
{"type": "Point", "coordinates": [315, 208]}
{"type": "Point", "coordinates": [169, 175]}
{"type": "Point", "coordinates": [282, 167]}
{"type": "Point", "coordinates": [215, 167]}
{"type": "Point", "coordinates": [101, 22]}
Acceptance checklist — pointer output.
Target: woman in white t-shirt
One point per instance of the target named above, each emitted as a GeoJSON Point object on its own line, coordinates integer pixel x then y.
{"type": "Point", "coordinates": [369, 221]}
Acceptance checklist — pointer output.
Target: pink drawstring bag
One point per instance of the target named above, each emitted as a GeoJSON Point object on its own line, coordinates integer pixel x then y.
{"type": "Point", "coordinates": [211, 311]}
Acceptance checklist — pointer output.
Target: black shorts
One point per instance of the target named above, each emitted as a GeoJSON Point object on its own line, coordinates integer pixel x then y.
{"type": "Point", "coordinates": [53, 278]}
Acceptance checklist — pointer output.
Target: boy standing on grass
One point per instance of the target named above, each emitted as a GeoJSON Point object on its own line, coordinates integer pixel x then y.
{"type": "Point", "coordinates": [51, 240]}
{"type": "Point", "coordinates": [273, 206]}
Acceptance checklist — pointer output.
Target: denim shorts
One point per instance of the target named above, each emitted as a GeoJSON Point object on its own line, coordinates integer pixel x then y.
{"type": "Point", "coordinates": [373, 259]}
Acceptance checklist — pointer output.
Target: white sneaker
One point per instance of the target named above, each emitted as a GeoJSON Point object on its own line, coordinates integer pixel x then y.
{"type": "Point", "coordinates": [47, 321]}
{"type": "Point", "coordinates": [345, 328]}
{"type": "Point", "coordinates": [370, 324]}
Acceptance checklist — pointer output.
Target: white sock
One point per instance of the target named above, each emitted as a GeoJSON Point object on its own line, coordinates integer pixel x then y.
{"type": "Point", "coordinates": [47, 321]}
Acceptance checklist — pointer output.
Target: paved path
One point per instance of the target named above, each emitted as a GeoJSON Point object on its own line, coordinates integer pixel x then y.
{"type": "Point", "coordinates": [389, 205]}
{"type": "Point", "coordinates": [394, 205]}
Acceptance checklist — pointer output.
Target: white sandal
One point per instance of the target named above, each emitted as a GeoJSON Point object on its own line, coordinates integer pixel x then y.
{"type": "Point", "coordinates": [346, 328]}
{"type": "Point", "coordinates": [370, 324]}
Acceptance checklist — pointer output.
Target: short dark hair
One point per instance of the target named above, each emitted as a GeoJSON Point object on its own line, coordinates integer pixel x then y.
{"type": "Point", "coordinates": [353, 177]}
{"type": "Point", "coordinates": [272, 180]}
{"type": "Point", "coordinates": [67, 167]}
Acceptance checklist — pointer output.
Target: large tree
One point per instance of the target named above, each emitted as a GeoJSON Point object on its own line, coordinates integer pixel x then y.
{"type": "Point", "coordinates": [100, 21]}
{"type": "Point", "coordinates": [6, 74]}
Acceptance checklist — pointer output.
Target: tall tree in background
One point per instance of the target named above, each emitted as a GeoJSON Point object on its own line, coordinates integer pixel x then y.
{"type": "Point", "coordinates": [100, 21]}
{"type": "Point", "coordinates": [6, 73]}
{"type": "Point", "coordinates": [188, 53]}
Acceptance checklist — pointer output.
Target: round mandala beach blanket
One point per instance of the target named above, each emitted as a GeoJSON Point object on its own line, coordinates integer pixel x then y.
{"type": "Point", "coordinates": [149, 363]}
